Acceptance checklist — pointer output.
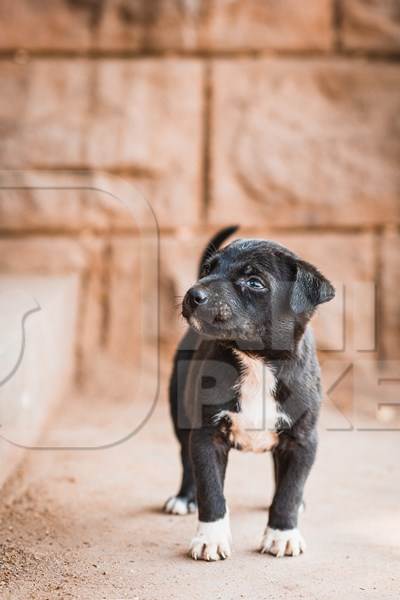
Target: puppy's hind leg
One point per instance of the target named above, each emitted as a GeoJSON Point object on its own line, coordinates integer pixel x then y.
{"type": "Point", "coordinates": [184, 502]}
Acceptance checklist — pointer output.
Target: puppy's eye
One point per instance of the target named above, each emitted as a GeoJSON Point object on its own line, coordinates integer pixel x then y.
{"type": "Point", "coordinates": [205, 270]}
{"type": "Point", "coordinates": [255, 283]}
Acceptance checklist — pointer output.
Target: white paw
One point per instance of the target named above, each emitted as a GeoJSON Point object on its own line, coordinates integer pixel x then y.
{"type": "Point", "coordinates": [288, 542]}
{"type": "Point", "coordinates": [179, 506]}
{"type": "Point", "coordinates": [212, 540]}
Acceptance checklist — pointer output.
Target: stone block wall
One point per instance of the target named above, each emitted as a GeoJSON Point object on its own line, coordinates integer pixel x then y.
{"type": "Point", "coordinates": [283, 117]}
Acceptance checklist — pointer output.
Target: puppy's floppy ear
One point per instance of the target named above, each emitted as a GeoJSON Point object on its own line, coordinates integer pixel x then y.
{"type": "Point", "coordinates": [309, 289]}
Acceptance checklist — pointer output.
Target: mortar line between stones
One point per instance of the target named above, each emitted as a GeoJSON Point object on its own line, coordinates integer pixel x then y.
{"type": "Point", "coordinates": [22, 56]}
{"type": "Point", "coordinates": [208, 228]}
{"type": "Point", "coordinates": [337, 21]}
{"type": "Point", "coordinates": [379, 311]}
{"type": "Point", "coordinates": [206, 140]}
{"type": "Point", "coordinates": [105, 293]}
{"type": "Point", "coordinates": [82, 315]}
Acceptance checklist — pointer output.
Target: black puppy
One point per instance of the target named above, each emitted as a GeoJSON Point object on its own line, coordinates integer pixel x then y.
{"type": "Point", "coordinates": [246, 376]}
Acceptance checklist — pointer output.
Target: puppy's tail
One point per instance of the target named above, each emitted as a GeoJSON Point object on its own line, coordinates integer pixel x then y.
{"type": "Point", "coordinates": [216, 243]}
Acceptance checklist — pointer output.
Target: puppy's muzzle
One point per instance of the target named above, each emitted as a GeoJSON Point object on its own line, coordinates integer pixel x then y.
{"type": "Point", "coordinates": [203, 303]}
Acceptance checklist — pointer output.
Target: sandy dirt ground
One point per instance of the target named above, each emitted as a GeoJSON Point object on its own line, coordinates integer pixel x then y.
{"type": "Point", "coordinates": [88, 525]}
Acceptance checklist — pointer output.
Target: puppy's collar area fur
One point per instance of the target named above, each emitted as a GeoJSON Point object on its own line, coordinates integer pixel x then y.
{"type": "Point", "coordinates": [261, 349]}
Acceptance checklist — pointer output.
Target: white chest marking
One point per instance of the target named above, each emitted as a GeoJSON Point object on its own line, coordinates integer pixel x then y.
{"type": "Point", "coordinates": [257, 386]}
{"type": "Point", "coordinates": [254, 427]}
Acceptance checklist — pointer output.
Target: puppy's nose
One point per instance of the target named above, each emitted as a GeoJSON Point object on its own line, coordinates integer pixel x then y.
{"type": "Point", "coordinates": [198, 295]}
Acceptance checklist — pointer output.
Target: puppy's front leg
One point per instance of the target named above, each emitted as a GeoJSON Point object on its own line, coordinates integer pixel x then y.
{"type": "Point", "coordinates": [293, 461]}
{"type": "Point", "coordinates": [209, 452]}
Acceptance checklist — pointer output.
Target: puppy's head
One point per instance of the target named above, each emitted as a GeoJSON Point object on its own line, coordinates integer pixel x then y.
{"type": "Point", "coordinates": [255, 291]}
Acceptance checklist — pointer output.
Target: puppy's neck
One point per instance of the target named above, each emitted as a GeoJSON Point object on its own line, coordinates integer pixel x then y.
{"type": "Point", "coordinates": [266, 350]}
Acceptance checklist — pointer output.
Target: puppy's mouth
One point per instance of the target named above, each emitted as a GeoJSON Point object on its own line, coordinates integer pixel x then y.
{"type": "Point", "coordinates": [210, 320]}
{"type": "Point", "coordinates": [219, 319]}
{"type": "Point", "coordinates": [214, 329]}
